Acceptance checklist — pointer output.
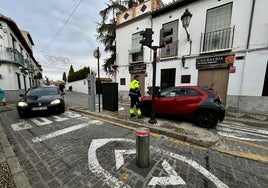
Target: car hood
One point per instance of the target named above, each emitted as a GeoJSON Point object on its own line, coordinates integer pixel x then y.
{"type": "Point", "coordinates": [31, 99]}
{"type": "Point", "coordinates": [147, 98]}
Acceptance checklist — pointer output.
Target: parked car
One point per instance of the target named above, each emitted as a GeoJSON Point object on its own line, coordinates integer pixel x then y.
{"type": "Point", "coordinates": [41, 99]}
{"type": "Point", "coordinates": [200, 104]}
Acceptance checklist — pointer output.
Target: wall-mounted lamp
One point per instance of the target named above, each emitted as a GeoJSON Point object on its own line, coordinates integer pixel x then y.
{"type": "Point", "coordinates": [185, 19]}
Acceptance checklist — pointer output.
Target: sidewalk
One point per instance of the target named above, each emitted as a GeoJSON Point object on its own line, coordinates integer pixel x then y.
{"type": "Point", "coordinates": [13, 175]}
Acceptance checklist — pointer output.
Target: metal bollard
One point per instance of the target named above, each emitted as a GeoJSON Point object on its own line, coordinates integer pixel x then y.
{"type": "Point", "coordinates": [142, 147]}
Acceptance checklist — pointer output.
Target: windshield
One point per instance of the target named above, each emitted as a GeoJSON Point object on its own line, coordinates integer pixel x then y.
{"type": "Point", "coordinates": [43, 91]}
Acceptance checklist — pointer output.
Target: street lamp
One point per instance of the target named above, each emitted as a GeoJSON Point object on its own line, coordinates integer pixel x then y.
{"type": "Point", "coordinates": [97, 55]}
{"type": "Point", "coordinates": [185, 19]}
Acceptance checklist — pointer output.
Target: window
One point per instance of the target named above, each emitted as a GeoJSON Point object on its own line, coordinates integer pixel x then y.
{"type": "Point", "coordinates": [185, 79]}
{"type": "Point", "coordinates": [18, 79]}
{"type": "Point", "coordinates": [168, 77]}
{"type": "Point", "coordinates": [136, 48]}
{"type": "Point", "coordinates": [170, 32]}
{"type": "Point", "coordinates": [122, 81]}
{"type": "Point", "coordinates": [218, 34]}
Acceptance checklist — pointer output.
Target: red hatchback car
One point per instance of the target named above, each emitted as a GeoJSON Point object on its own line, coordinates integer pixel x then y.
{"type": "Point", "coordinates": [200, 104]}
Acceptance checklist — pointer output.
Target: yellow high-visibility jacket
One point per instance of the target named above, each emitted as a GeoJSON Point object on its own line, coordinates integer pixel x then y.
{"type": "Point", "coordinates": [134, 89]}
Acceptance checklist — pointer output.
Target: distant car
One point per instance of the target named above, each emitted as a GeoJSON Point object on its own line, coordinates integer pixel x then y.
{"type": "Point", "coordinates": [197, 103]}
{"type": "Point", "coordinates": [41, 99]}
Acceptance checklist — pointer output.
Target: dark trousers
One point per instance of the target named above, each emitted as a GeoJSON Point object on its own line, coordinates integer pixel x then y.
{"type": "Point", "coordinates": [134, 101]}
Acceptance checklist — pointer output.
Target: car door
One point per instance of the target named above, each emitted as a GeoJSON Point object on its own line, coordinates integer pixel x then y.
{"type": "Point", "coordinates": [187, 101]}
{"type": "Point", "coordinates": [165, 103]}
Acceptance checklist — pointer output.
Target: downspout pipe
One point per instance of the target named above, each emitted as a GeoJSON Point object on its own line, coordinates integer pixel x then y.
{"type": "Point", "coordinates": [250, 23]}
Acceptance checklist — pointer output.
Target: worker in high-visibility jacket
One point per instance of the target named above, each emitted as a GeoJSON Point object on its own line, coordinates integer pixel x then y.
{"type": "Point", "coordinates": [135, 97]}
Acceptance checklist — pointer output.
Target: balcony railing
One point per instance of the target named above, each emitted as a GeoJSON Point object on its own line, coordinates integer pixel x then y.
{"type": "Point", "coordinates": [219, 40]}
{"type": "Point", "coordinates": [12, 55]}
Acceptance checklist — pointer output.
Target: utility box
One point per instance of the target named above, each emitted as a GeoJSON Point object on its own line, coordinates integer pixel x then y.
{"type": "Point", "coordinates": [110, 96]}
{"type": "Point", "coordinates": [91, 92]}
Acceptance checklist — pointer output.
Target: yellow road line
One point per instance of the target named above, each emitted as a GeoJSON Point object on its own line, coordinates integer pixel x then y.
{"type": "Point", "coordinates": [243, 155]}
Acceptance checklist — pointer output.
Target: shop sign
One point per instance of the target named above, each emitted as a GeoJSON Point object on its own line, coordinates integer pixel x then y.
{"type": "Point", "coordinates": [232, 69]}
{"type": "Point", "coordinates": [137, 68]}
{"type": "Point", "coordinates": [215, 60]}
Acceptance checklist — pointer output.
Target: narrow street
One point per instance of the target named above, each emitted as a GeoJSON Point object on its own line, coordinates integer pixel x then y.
{"type": "Point", "coordinates": [74, 150]}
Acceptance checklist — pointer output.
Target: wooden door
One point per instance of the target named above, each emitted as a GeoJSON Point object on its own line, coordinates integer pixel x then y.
{"type": "Point", "coordinates": [217, 79]}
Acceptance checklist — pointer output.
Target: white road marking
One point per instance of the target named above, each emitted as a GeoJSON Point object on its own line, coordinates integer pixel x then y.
{"type": "Point", "coordinates": [71, 114]}
{"type": "Point", "coordinates": [172, 179]}
{"type": "Point", "coordinates": [121, 108]}
{"type": "Point", "coordinates": [41, 121]}
{"type": "Point", "coordinates": [112, 181]}
{"type": "Point", "coordinates": [196, 166]}
{"type": "Point", "coordinates": [59, 119]}
{"type": "Point", "coordinates": [243, 132]}
{"type": "Point", "coordinates": [245, 128]}
{"type": "Point", "coordinates": [21, 126]}
{"type": "Point", "coordinates": [119, 157]}
{"type": "Point", "coordinates": [239, 137]}
{"type": "Point", "coordinates": [95, 166]}
{"type": "Point", "coordinates": [64, 131]}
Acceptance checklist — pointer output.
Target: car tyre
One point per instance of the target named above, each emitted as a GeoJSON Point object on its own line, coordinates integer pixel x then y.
{"type": "Point", "coordinates": [207, 118]}
{"type": "Point", "coordinates": [22, 116]}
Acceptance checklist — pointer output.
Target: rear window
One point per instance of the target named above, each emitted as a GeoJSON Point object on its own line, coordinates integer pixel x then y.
{"type": "Point", "coordinates": [210, 92]}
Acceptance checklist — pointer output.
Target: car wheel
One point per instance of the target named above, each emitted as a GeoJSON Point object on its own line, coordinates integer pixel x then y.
{"type": "Point", "coordinates": [62, 110]}
{"type": "Point", "coordinates": [146, 109]}
{"type": "Point", "coordinates": [207, 118]}
{"type": "Point", "coordinates": [22, 116]}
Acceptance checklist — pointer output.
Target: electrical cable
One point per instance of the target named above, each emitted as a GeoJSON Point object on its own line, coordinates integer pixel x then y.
{"type": "Point", "coordinates": [55, 36]}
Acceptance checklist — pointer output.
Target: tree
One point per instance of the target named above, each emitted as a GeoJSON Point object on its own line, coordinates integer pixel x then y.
{"type": "Point", "coordinates": [71, 71]}
{"type": "Point", "coordinates": [106, 30]}
{"type": "Point", "coordinates": [64, 78]}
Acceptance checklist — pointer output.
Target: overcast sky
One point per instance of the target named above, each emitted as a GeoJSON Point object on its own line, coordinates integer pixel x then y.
{"type": "Point", "coordinates": [59, 43]}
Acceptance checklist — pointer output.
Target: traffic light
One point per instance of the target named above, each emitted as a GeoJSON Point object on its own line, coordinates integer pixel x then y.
{"type": "Point", "coordinates": [146, 37]}
{"type": "Point", "coordinates": [165, 36]}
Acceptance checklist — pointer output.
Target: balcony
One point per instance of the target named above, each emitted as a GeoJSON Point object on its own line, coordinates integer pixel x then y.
{"type": "Point", "coordinates": [11, 55]}
{"type": "Point", "coordinates": [216, 41]}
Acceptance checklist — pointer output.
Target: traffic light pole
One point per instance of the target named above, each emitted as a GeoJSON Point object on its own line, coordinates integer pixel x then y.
{"type": "Point", "coordinates": [152, 120]}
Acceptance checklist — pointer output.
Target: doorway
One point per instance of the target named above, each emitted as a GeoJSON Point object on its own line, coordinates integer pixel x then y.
{"type": "Point", "coordinates": [217, 79]}
{"type": "Point", "coordinates": [167, 78]}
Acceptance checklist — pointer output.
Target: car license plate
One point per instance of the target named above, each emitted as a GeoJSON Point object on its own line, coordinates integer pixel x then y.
{"type": "Point", "coordinates": [39, 108]}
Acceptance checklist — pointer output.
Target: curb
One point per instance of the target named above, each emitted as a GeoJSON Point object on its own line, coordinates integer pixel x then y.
{"type": "Point", "coordinates": [179, 133]}
{"type": "Point", "coordinates": [19, 177]}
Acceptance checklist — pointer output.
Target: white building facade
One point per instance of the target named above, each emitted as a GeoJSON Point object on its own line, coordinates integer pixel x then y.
{"type": "Point", "coordinates": [226, 49]}
{"type": "Point", "coordinates": [18, 68]}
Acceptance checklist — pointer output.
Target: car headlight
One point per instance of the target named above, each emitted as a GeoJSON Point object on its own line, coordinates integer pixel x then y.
{"type": "Point", "coordinates": [22, 104]}
{"type": "Point", "coordinates": [57, 101]}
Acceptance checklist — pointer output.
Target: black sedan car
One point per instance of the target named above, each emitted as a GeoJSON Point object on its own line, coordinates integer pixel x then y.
{"type": "Point", "coordinates": [41, 99]}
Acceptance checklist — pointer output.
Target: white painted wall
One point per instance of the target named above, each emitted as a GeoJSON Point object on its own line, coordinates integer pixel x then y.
{"type": "Point", "coordinates": [248, 79]}
{"type": "Point", "coordinates": [80, 86]}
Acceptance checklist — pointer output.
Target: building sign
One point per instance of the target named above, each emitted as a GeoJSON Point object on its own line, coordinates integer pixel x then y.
{"type": "Point", "coordinates": [137, 68]}
{"type": "Point", "coordinates": [223, 61]}
{"type": "Point", "coordinates": [232, 69]}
